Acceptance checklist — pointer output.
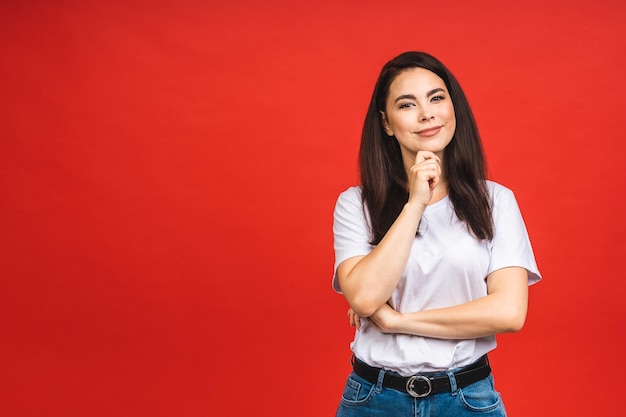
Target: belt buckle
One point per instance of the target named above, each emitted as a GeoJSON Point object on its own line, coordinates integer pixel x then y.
{"type": "Point", "coordinates": [410, 385]}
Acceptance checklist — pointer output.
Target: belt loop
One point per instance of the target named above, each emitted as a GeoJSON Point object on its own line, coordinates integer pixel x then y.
{"type": "Point", "coordinates": [453, 386]}
{"type": "Point", "coordinates": [379, 382]}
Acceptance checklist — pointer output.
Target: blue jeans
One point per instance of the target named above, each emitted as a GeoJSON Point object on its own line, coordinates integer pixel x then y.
{"type": "Point", "coordinates": [361, 398]}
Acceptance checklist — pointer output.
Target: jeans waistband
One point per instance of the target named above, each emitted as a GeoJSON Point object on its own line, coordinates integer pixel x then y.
{"type": "Point", "coordinates": [420, 386]}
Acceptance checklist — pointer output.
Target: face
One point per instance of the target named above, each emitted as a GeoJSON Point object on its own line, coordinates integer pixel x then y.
{"type": "Point", "coordinates": [419, 113]}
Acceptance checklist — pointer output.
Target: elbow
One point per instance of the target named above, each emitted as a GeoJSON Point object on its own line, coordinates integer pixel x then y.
{"type": "Point", "coordinates": [362, 303]}
{"type": "Point", "coordinates": [363, 310]}
{"type": "Point", "coordinates": [516, 325]}
{"type": "Point", "coordinates": [363, 306]}
{"type": "Point", "coordinates": [514, 321]}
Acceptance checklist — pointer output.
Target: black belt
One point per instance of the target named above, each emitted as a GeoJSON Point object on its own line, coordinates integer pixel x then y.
{"type": "Point", "coordinates": [420, 386]}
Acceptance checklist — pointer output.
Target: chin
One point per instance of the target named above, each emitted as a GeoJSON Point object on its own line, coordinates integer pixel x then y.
{"type": "Point", "coordinates": [433, 149]}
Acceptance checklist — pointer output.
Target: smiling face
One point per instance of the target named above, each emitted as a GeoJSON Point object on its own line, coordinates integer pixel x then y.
{"type": "Point", "coordinates": [419, 113]}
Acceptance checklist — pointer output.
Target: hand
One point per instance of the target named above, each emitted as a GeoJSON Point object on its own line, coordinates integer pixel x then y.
{"type": "Point", "coordinates": [424, 176]}
{"type": "Point", "coordinates": [355, 319]}
{"type": "Point", "coordinates": [385, 318]}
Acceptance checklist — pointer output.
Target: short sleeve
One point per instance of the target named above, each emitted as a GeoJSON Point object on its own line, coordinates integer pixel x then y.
{"type": "Point", "coordinates": [350, 229]}
{"type": "Point", "coordinates": [510, 245]}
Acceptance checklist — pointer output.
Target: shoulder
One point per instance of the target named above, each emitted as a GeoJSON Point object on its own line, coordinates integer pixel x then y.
{"type": "Point", "coordinates": [503, 200]}
{"type": "Point", "coordinates": [351, 196]}
{"type": "Point", "coordinates": [498, 191]}
{"type": "Point", "coordinates": [349, 205]}
{"type": "Point", "coordinates": [351, 192]}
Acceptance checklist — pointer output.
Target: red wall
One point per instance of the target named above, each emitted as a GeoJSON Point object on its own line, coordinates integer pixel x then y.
{"type": "Point", "coordinates": [168, 172]}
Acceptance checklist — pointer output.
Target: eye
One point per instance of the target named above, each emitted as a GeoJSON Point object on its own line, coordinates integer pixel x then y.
{"type": "Point", "coordinates": [405, 105]}
{"type": "Point", "coordinates": [437, 98]}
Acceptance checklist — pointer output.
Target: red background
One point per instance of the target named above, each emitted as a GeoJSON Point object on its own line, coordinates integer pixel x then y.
{"type": "Point", "coordinates": [168, 173]}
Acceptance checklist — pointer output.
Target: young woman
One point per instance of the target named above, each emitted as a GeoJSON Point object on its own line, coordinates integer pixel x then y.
{"type": "Point", "coordinates": [433, 259]}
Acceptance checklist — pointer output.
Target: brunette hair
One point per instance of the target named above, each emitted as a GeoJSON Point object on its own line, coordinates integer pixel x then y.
{"type": "Point", "coordinates": [383, 176]}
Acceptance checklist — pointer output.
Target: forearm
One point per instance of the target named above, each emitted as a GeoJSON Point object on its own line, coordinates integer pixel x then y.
{"type": "Point", "coordinates": [368, 283]}
{"type": "Point", "coordinates": [479, 318]}
{"type": "Point", "coordinates": [502, 310]}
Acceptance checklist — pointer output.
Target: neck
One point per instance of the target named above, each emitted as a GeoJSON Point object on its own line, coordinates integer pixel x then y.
{"type": "Point", "coordinates": [439, 193]}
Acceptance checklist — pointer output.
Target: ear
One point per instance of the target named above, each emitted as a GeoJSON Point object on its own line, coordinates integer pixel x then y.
{"type": "Point", "coordinates": [385, 123]}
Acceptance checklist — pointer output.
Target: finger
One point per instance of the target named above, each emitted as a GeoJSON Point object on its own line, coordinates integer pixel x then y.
{"type": "Point", "coordinates": [425, 172]}
{"type": "Point", "coordinates": [351, 317]}
{"type": "Point", "coordinates": [357, 321]}
{"type": "Point", "coordinates": [425, 155]}
{"type": "Point", "coordinates": [434, 182]}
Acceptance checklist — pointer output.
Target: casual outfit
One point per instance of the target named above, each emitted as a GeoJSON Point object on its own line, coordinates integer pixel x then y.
{"type": "Point", "coordinates": [447, 266]}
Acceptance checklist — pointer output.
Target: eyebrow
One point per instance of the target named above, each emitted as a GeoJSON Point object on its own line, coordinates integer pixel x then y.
{"type": "Point", "coordinates": [412, 97]}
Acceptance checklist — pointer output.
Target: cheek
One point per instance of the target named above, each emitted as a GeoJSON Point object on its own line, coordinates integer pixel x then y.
{"type": "Point", "coordinates": [450, 114]}
{"type": "Point", "coordinates": [451, 120]}
{"type": "Point", "coordinates": [393, 123]}
{"type": "Point", "coordinates": [404, 120]}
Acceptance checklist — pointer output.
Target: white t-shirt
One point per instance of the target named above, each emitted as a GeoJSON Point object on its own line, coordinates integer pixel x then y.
{"type": "Point", "coordinates": [447, 266]}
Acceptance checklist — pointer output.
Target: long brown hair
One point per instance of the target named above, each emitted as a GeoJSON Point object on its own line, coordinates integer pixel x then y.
{"type": "Point", "coordinates": [383, 176]}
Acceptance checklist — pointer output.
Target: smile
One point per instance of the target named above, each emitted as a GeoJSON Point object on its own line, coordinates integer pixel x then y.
{"type": "Point", "coordinates": [432, 131]}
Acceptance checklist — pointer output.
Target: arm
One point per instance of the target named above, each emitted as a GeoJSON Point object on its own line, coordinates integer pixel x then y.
{"type": "Point", "coordinates": [368, 281]}
{"type": "Point", "coordinates": [502, 310]}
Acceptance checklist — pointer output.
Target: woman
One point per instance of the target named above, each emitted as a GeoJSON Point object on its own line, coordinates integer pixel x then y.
{"type": "Point", "coordinates": [433, 259]}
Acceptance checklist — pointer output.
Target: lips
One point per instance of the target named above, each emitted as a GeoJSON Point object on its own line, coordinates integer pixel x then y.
{"type": "Point", "coordinates": [432, 131]}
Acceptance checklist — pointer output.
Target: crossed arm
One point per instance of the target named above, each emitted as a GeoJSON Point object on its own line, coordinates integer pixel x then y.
{"type": "Point", "coordinates": [502, 310]}
{"type": "Point", "coordinates": [367, 283]}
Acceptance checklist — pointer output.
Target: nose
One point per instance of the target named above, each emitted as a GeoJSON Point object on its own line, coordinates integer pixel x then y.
{"type": "Point", "coordinates": [426, 115]}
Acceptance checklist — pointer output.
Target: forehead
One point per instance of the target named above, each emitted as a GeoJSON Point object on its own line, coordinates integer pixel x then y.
{"type": "Point", "coordinates": [415, 81]}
